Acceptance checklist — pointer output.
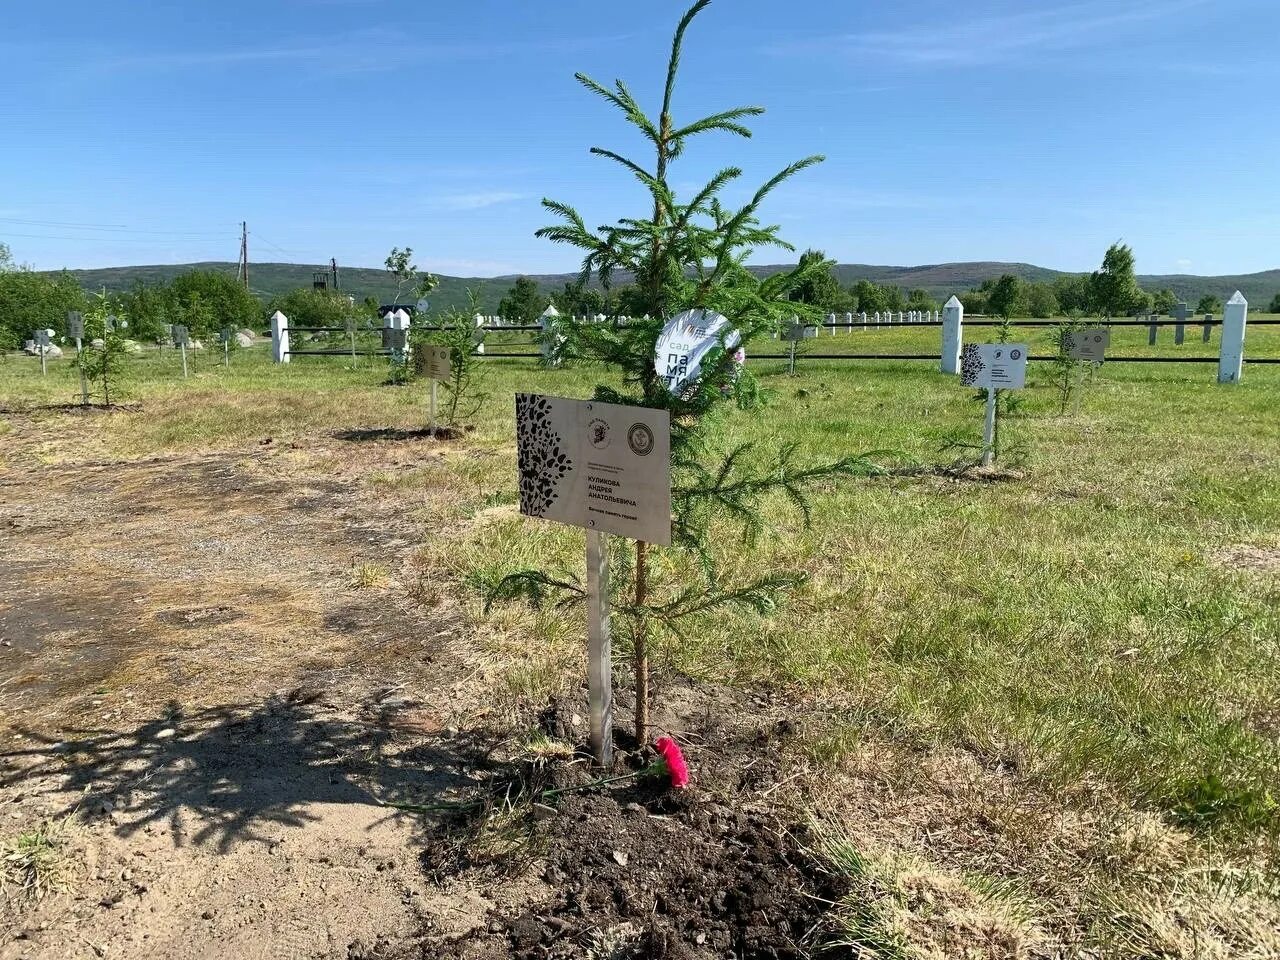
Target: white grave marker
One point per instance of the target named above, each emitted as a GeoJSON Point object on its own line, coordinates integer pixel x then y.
{"type": "Point", "coordinates": [1235, 318]}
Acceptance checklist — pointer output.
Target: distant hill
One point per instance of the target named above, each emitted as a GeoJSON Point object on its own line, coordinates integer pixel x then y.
{"type": "Point", "coordinates": [940, 280]}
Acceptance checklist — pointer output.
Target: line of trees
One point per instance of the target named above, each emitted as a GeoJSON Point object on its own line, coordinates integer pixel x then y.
{"type": "Point", "coordinates": [1111, 291]}
{"type": "Point", "coordinates": [202, 300]}
{"type": "Point", "coordinates": [31, 301]}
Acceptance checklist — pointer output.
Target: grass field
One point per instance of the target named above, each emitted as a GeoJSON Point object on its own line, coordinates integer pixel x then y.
{"type": "Point", "coordinates": [1099, 628]}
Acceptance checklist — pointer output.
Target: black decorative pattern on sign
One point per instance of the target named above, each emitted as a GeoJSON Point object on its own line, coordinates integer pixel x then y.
{"type": "Point", "coordinates": [971, 365]}
{"type": "Point", "coordinates": [541, 461]}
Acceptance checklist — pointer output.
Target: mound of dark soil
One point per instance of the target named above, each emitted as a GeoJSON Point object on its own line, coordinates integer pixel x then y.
{"type": "Point", "coordinates": [679, 877]}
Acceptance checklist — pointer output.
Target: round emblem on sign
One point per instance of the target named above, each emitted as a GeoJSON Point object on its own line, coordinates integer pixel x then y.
{"type": "Point", "coordinates": [640, 440]}
{"type": "Point", "coordinates": [598, 433]}
{"type": "Point", "coordinates": [1015, 354]}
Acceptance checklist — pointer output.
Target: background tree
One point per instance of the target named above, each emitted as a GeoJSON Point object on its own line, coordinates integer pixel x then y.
{"type": "Point", "coordinates": [6, 258]}
{"type": "Point", "coordinates": [577, 299]}
{"type": "Point", "coordinates": [919, 299]}
{"type": "Point", "coordinates": [1209, 304]}
{"type": "Point", "coordinates": [1163, 301]}
{"type": "Point", "coordinates": [403, 270]}
{"type": "Point", "coordinates": [684, 255]}
{"type": "Point", "coordinates": [820, 288]}
{"type": "Point", "coordinates": [31, 301]}
{"type": "Point", "coordinates": [523, 303]}
{"type": "Point", "coordinates": [1113, 290]}
{"type": "Point", "coordinates": [307, 307]}
{"type": "Point", "coordinates": [228, 303]}
{"type": "Point", "coordinates": [1005, 299]}
{"type": "Point", "coordinates": [868, 297]}
{"type": "Point", "coordinates": [149, 307]}
{"type": "Point", "coordinates": [1041, 301]}
{"type": "Point", "coordinates": [975, 302]}
{"type": "Point", "coordinates": [1275, 304]}
{"type": "Point", "coordinates": [1072, 293]}
{"type": "Point", "coordinates": [196, 313]}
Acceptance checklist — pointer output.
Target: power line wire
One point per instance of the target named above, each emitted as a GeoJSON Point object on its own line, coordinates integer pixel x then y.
{"type": "Point", "coordinates": [108, 227]}
{"type": "Point", "coordinates": [212, 239]}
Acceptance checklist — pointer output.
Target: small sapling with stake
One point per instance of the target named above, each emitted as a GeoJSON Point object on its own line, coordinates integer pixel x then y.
{"type": "Point", "coordinates": [686, 256]}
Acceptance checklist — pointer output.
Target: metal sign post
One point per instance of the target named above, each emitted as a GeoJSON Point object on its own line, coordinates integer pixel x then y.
{"type": "Point", "coordinates": [180, 337]}
{"type": "Point", "coordinates": [42, 344]}
{"type": "Point", "coordinates": [225, 336]}
{"type": "Point", "coordinates": [599, 649]}
{"type": "Point", "coordinates": [989, 431]}
{"type": "Point", "coordinates": [795, 333]}
{"type": "Point", "coordinates": [607, 468]}
{"type": "Point", "coordinates": [75, 329]}
{"type": "Point", "coordinates": [350, 324]}
{"type": "Point", "coordinates": [995, 366]}
{"type": "Point", "coordinates": [439, 367]}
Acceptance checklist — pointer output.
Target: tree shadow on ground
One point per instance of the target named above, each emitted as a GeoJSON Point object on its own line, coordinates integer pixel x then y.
{"type": "Point", "coordinates": [74, 406]}
{"type": "Point", "coordinates": [375, 435]}
{"type": "Point", "coordinates": [227, 774]}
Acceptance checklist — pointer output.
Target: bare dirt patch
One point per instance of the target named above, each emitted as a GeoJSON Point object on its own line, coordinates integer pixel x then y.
{"type": "Point", "coordinates": [188, 671]}
{"type": "Point", "coordinates": [1250, 558]}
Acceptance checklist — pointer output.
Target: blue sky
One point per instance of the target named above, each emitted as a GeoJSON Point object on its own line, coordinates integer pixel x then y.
{"type": "Point", "coordinates": [139, 132]}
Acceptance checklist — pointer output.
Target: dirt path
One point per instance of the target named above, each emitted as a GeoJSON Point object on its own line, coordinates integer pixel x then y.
{"type": "Point", "coordinates": [189, 669]}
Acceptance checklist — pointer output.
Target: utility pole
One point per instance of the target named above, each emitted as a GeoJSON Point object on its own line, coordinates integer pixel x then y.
{"type": "Point", "coordinates": [244, 254]}
{"type": "Point", "coordinates": [333, 268]}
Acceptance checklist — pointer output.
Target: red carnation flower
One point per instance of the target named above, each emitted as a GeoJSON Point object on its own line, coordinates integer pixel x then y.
{"type": "Point", "coordinates": [673, 760]}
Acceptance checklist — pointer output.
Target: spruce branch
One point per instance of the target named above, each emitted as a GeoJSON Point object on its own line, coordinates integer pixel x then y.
{"type": "Point", "coordinates": [536, 589]}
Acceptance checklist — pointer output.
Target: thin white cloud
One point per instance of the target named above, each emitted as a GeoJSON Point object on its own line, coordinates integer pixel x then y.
{"type": "Point", "coordinates": [345, 55]}
{"type": "Point", "coordinates": [479, 200]}
{"type": "Point", "coordinates": [473, 268]}
{"type": "Point", "coordinates": [842, 197]}
{"type": "Point", "coordinates": [1182, 264]}
{"type": "Point", "coordinates": [999, 37]}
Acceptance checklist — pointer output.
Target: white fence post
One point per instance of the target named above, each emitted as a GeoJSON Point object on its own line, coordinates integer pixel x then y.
{"type": "Point", "coordinates": [279, 338]}
{"type": "Point", "coordinates": [550, 340]}
{"type": "Point", "coordinates": [952, 335]}
{"type": "Point", "coordinates": [1231, 352]}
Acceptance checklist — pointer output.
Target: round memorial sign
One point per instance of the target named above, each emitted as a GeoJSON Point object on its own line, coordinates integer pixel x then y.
{"type": "Point", "coordinates": [686, 341]}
